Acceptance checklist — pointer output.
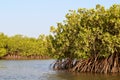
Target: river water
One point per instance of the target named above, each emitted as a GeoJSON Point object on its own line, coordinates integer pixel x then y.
{"type": "Point", "coordinates": [40, 70]}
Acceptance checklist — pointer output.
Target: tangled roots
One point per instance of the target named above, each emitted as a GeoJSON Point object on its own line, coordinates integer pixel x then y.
{"type": "Point", "coordinates": [111, 64]}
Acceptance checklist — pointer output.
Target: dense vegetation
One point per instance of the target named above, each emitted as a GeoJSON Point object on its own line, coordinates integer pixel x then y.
{"type": "Point", "coordinates": [22, 46]}
{"type": "Point", "coordinates": [88, 40]}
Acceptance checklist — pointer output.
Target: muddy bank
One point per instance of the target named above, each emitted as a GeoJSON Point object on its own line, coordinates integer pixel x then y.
{"type": "Point", "coordinates": [18, 57]}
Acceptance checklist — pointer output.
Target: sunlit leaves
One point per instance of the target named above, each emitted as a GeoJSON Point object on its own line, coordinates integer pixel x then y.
{"type": "Point", "coordinates": [89, 32]}
{"type": "Point", "coordinates": [3, 52]}
{"type": "Point", "coordinates": [3, 44]}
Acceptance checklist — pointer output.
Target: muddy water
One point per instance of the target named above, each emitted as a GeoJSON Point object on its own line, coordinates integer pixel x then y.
{"type": "Point", "coordinates": [40, 70]}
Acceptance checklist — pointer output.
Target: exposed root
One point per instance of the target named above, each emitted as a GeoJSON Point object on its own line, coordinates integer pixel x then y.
{"type": "Point", "coordinates": [64, 64]}
{"type": "Point", "coordinates": [110, 64]}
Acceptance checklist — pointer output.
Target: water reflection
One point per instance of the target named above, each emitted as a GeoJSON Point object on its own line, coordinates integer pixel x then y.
{"type": "Point", "coordinates": [82, 76]}
{"type": "Point", "coordinates": [39, 70]}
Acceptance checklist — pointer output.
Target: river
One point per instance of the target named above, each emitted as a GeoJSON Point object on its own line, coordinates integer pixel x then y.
{"type": "Point", "coordinates": [40, 70]}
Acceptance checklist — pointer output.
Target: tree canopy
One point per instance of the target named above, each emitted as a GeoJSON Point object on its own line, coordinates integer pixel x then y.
{"type": "Point", "coordinates": [88, 32]}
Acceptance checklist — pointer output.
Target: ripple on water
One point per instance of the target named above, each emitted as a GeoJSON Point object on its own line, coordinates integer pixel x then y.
{"type": "Point", "coordinates": [39, 70]}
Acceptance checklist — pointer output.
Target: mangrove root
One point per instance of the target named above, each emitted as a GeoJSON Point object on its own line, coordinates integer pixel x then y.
{"type": "Point", "coordinates": [111, 64]}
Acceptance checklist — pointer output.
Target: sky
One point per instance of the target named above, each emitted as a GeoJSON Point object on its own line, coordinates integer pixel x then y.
{"type": "Point", "coordinates": [34, 17]}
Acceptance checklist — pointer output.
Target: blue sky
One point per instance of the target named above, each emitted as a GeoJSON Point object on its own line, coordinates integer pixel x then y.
{"type": "Point", "coordinates": [34, 17]}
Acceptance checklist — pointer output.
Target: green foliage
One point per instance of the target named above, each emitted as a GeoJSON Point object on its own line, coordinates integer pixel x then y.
{"type": "Point", "coordinates": [88, 32]}
{"type": "Point", "coordinates": [3, 44]}
{"type": "Point", "coordinates": [25, 46]}
{"type": "Point", "coordinates": [2, 52]}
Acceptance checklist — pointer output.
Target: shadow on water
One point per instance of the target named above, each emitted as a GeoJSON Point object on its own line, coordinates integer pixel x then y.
{"type": "Point", "coordinates": [82, 76]}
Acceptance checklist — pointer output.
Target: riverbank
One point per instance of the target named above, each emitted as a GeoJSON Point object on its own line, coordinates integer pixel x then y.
{"type": "Point", "coordinates": [18, 57]}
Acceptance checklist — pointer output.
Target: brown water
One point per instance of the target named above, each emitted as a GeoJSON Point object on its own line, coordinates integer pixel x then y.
{"type": "Point", "coordinates": [39, 70]}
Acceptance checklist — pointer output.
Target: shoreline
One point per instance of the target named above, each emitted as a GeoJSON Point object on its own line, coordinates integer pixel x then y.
{"type": "Point", "coordinates": [16, 57]}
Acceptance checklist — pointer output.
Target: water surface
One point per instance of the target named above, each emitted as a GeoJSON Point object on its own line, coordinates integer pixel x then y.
{"type": "Point", "coordinates": [40, 70]}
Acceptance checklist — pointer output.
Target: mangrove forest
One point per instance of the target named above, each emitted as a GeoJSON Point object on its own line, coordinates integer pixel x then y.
{"type": "Point", "coordinates": [88, 40]}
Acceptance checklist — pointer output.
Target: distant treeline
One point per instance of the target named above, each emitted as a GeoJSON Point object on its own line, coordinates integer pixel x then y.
{"type": "Point", "coordinates": [20, 45]}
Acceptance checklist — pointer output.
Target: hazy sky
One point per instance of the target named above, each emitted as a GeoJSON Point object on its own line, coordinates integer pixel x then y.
{"type": "Point", "coordinates": [34, 17]}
